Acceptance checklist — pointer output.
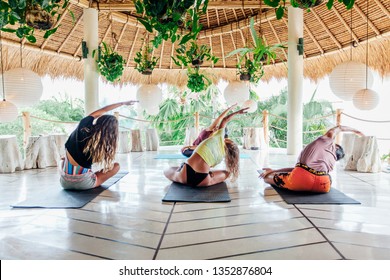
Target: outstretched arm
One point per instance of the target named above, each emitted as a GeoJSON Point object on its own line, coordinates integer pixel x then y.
{"type": "Point", "coordinates": [218, 120]}
{"type": "Point", "coordinates": [107, 108]}
{"type": "Point", "coordinates": [230, 116]}
{"type": "Point", "coordinates": [331, 133]}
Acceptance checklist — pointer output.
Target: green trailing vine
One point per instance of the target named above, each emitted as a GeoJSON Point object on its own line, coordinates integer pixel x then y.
{"type": "Point", "coordinates": [167, 17]}
{"type": "Point", "coordinates": [110, 63]}
{"type": "Point", "coordinates": [197, 81]}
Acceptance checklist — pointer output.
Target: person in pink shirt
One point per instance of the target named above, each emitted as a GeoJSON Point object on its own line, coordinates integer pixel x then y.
{"type": "Point", "coordinates": [205, 133]}
{"type": "Point", "coordinates": [311, 173]}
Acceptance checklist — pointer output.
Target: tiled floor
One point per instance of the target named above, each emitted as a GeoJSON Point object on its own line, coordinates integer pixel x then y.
{"type": "Point", "coordinates": [129, 220]}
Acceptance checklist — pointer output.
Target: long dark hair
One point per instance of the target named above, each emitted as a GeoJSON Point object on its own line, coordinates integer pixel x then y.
{"type": "Point", "coordinates": [103, 142]}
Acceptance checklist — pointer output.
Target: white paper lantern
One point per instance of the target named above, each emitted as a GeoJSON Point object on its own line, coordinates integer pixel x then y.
{"type": "Point", "coordinates": [153, 111]}
{"type": "Point", "coordinates": [236, 92]}
{"type": "Point", "coordinates": [22, 86]}
{"type": "Point", "coordinates": [8, 111]}
{"type": "Point", "coordinates": [149, 96]}
{"type": "Point", "coordinates": [251, 104]}
{"type": "Point", "coordinates": [347, 78]}
{"type": "Point", "coordinates": [366, 99]}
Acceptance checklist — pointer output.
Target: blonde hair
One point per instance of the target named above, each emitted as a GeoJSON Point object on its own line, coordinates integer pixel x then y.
{"type": "Point", "coordinates": [103, 141]}
{"type": "Point", "coordinates": [232, 158]}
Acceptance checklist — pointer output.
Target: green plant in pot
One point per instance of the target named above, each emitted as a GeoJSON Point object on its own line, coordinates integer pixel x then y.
{"type": "Point", "coordinates": [110, 63]}
{"type": "Point", "coordinates": [29, 15]}
{"type": "Point", "coordinates": [280, 5]}
{"type": "Point", "coordinates": [168, 16]}
{"type": "Point", "coordinates": [261, 54]}
{"type": "Point", "coordinates": [194, 55]}
{"type": "Point", "coordinates": [249, 71]}
{"type": "Point", "coordinates": [197, 81]}
{"type": "Point", "coordinates": [145, 62]}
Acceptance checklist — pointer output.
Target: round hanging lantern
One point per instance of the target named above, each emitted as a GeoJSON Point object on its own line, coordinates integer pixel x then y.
{"type": "Point", "coordinates": [153, 111]}
{"type": "Point", "coordinates": [8, 111]}
{"type": "Point", "coordinates": [22, 86]}
{"type": "Point", "coordinates": [251, 104]}
{"type": "Point", "coordinates": [236, 92]}
{"type": "Point", "coordinates": [149, 96]}
{"type": "Point", "coordinates": [347, 78]}
{"type": "Point", "coordinates": [366, 99]}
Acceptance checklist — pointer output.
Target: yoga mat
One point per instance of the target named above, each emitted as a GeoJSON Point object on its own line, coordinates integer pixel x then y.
{"type": "Point", "coordinates": [184, 193]}
{"type": "Point", "coordinates": [180, 156]}
{"type": "Point", "coordinates": [334, 196]}
{"type": "Point", "coordinates": [57, 197]}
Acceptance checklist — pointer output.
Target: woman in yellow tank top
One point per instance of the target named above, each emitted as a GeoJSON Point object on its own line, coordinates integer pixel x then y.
{"type": "Point", "coordinates": [196, 170]}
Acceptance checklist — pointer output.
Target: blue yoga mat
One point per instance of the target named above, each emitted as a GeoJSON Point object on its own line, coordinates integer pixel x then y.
{"type": "Point", "coordinates": [57, 197]}
{"type": "Point", "coordinates": [180, 156]}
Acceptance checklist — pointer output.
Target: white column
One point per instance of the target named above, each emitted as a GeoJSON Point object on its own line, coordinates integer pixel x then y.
{"type": "Point", "coordinates": [91, 75]}
{"type": "Point", "coordinates": [295, 82]}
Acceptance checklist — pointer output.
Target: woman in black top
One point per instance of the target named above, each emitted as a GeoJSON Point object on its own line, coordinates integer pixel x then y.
{"type": "Point", "coordinates": [93, 141]}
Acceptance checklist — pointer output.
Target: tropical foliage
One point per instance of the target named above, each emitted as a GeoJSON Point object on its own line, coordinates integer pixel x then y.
{"type": "Point", "coordinates": [62, 108]}
{"type": "Point", "coordinates": [29, 15]}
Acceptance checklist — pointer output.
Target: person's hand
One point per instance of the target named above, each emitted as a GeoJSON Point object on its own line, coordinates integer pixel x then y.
{"type": "Point", "coordinates": [266, 172]}
{"type": "Point", "coordinates": [243, 110]}
{"type": "Point", "coordinates": [130, 102]}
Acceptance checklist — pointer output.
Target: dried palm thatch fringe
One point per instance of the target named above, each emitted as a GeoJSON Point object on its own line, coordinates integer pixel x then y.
{"type": "Point", "coordinates": [314, 68]}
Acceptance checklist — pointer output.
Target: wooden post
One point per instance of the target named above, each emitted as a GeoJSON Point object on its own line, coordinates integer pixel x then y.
{"type": "Point", "coordinates": [197, 123]}
{"type": "Point", "coordinates": [266, 127]}
{"type": "Point", "coordinates": [338, 123]}
{"type": "Point", "coordinates": [26, 127]}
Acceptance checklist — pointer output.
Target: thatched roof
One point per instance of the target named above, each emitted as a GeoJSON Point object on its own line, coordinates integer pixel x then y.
{"type": "Point", "coordinates": [328, 36]}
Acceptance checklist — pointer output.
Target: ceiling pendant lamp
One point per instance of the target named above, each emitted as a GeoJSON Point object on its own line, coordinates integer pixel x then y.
{"type": "Point", "coordinates": [23, 86]}
{"type": "Point", "coordinates": [236, 92]}
{"type": "Point", "coordinates": [365, 98]}
{"type": "Point", "coordinates": [149, 96]}
{"type": "Point", "coordinates": [348, 77]}
{"type": "Point", "coordinates": [8, 111]}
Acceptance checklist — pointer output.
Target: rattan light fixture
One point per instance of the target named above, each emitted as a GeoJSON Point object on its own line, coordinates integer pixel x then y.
{"type": "Point", "coordinates": [365, 98]}
{"type": "Point", "coordinates": [149, 97]}
{"type": "Point", "coordinates": [8, 111]}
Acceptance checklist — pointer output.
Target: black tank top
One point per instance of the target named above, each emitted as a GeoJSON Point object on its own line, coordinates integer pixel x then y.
{"type": "Point", "coordinates": [77, 141]}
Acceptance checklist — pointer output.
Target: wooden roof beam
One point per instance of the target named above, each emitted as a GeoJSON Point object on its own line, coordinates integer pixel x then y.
{"type": "Point", "coordinates": [365, 17]}
{"type": "Point", "coordinates": [223, 51]}
{"type": "Point", "coordinates": [70, 34]}
{"type": "Point", "coordinates": [350, 31]}
{"type": "Point", "coordinates": [277, 38]}
{"type": "Point", "coordinates": [123, 7]}
{"type": "Point", "coordinates": [56, 25]}
{"type": "Point", "coordinates": [120, 37]}
{"type": "Point", "coordinates": [132, 47]}
{"type": "Point", "coordinates": [382, 8]}
{"type": "Point", "coordinates": [314, 13]}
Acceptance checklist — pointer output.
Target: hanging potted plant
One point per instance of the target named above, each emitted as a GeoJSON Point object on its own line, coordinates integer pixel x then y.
{"type": "Point", "coordinates": [29, 15]}
{"type": "Point", "coordinates": [166, 16]}
{"type": "Point", "coordinates": [249, 71]}
{"type": "Point", "coordinates": [195, 55]}
{"type": "Point", "coordinates": [145, 62]}
{"type": "Point", "coordinates": [197, 81]}
{"type": "Point", "coordinates": [261, 54]}
{"type": "Point", "coordinates": [110, 63]}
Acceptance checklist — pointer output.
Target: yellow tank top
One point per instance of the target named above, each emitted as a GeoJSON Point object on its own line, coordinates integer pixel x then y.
{"type": "Point", "coordinates": [212, 150]}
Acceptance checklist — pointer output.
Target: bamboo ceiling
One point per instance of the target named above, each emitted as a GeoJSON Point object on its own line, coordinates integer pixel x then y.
{"type": "Point", "coordinates": [328, 36]}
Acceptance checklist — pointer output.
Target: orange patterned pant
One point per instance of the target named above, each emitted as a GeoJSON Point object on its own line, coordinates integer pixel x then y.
{"type": "Point", "coordinates": [300, 179]}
